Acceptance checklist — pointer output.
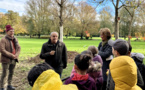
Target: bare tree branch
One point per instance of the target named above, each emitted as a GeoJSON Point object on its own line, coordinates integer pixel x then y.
{"type": "Point", "coordinates": [113, 3]}
{"type": "Point", "coordinates": [121, 6]}
{"type": "Point", "coordinates": [95, 1]}
{"type": "Point", "coordinates": [71, 6]}
{"type": "Point", "coordinates": [57, 2]}
{"type": "Point", "coordinates": [128, 12]}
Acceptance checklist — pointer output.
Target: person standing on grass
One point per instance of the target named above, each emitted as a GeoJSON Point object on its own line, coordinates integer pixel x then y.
{"type": "Point", "coordinates": [55, 53]}
{"type": "Point", "coordinates": [105, 51]}
{"type": "Point", "coordinates": [10, 50]}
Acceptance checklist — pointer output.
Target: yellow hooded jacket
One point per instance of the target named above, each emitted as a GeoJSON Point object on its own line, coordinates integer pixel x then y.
{"type": "Point", "coordinates": [124, 73]}
{"type": "Point", "coordinates": [50, 80]}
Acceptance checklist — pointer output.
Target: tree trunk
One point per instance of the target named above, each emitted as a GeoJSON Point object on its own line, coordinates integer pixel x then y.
{"type": "Point", "coordinates": [61, 21]}
{"type": "Point", "coordinates": [38, 35]}
{"type": "Point", "coordinates": [116, 24]}
{"type": "Point", "coordinates": [61, 33]}
{"type": "Point", "coordinates": [129, 33]}
{"type": "Point", "coordinates": [81, 36]}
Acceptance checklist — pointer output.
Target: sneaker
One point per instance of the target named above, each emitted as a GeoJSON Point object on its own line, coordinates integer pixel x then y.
{"type": "Point", "coordinates": [9, 87]}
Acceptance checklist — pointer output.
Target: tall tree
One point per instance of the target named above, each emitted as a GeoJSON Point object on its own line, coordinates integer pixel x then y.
{"type": "Point", "coordinates": [37, 12]}
{"type": "Point", "coordinates": [134, 5]}
{"type": "Point", "coordinates": [12, 17]}
{"type": "Point", "coordinates": [124, 23]}
{"type": "Point", "coordinates": [60, 7]}
{"type": "Point", "coordinates": [3, 22]}
{"type": "Point", "coordinates": [118, 4]}
{"type": "Point", "coordinates": [106, 18]}
{"type": "Point", "coordinates": [85, 16]}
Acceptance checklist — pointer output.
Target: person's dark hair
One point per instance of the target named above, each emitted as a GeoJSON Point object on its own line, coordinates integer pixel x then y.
{"type": "Point", "coordinates": [93, 49]}
{"type": "Point", "coordinates": [36, 71]}
{"type": "Point", "coordinates": [122, 47]}
{"type": "Point", "coordinates": [106, 32]}
{"type": "Point", "coordinates": [130, 47]}
{"type": "Point", "coordinates": [87, 52]}
{"type": "Point", "coordinates": [82, 61]}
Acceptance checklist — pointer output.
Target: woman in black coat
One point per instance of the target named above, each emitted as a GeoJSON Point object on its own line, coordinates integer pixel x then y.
{"type": "Point", "coordinates": [105, 51]}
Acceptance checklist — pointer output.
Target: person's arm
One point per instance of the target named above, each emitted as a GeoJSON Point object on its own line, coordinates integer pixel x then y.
{"type": "Point", "coordinates": [18, 49]}
{"type": "Point", "coordinates": [4, 51]}
{"type": "Point", "coordinates": [100, 59]}
{"type": "Point", "coordinates": [105, 54]}
{"type": "Point", "coordinates": [94, 87]}
{"type": "Point", "coordinates": [68, 81]}
{"type": "Point", "coordinates": [64, 56]}
{"type": "Point", "coordinates": [110, 83]}
{"type": "Point", "coordinates": [73, 71]}
{"type": "Point", "coordinates": [140, 81]}
{"type": "Point", "coordinates": [99, 79]}
{"type": "Point", "coordinates": [99, 46]}
{"type": "Point", "coordinates": [44, 54]}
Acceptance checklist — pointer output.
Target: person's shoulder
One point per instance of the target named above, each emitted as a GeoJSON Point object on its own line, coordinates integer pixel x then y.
{"type": "Point", "coordinates": [91, 79]}
{"type": "Point", "coordinates": [100, 43]}
{"type": "Point", "coordinates": [61, 43]}
{"type": "Point", "coordinates": [68, 81]}
{"type": "Point", "coordinates": [97, 56]}
{"type": "Point", "coordinates": [16, 38]}
{"type": "Point", "coordinates": [3, 38]}
{"type": "Point", "coordinates": [108, 45]}
{"type": "Point", "coordinates": [45, 43]}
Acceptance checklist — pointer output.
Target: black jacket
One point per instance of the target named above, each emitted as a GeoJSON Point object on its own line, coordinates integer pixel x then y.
{"type": "Point", "coordinates": [141, 68]}
{"type": "Point", "coordinates": [105, 52]}
{"type": "Point", "coordinates": [59, 59]}
{"type": "Point", "coordinates": [111, 84]}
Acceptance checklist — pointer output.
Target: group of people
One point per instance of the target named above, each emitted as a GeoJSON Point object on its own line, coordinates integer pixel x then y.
{"type": "Point", "coordinates": [111, 66]}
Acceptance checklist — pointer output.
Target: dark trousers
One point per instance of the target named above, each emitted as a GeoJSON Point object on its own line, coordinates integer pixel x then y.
{"type": "Point", "coordinates": [5, 68]}
{"type": "Point", "coordinates": [58, 70]}
{"type": "Point", "coordinates": [104, 85]}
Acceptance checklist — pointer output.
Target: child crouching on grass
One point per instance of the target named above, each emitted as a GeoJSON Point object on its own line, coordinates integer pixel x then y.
{"type": "Point", "coordinates": [81, 78]}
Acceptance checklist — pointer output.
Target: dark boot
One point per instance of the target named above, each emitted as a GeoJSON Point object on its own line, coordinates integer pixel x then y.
{"type": "Point", "coordinates": [9, 87]}
{"type": "Point", "coordinates": [2, 89]}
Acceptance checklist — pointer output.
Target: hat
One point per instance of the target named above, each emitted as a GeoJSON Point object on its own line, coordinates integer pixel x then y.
{"type": "Point", "coordinates": [8, 27]}
{"type": "Point", "coordinates": [120, 45]}
{"type": "Point", "coordinates": [139, 56]}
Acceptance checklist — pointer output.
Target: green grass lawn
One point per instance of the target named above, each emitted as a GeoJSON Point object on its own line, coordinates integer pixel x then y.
{"type": "Point", "coordinates": [30, 47]}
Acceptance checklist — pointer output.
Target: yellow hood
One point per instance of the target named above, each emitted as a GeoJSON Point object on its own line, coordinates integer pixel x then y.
{"type": "Point", "coordinates": [50, 80]}
{"type": "Point", "coordinates": [124, 73]}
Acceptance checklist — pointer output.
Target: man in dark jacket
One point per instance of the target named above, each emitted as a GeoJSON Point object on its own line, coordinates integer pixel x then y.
{"type": "Point", "coordinates": [55, 53]}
